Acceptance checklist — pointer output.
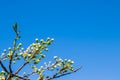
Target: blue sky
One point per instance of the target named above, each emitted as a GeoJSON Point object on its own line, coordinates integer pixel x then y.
{"type": "Point", "coordinates": [86, 31]}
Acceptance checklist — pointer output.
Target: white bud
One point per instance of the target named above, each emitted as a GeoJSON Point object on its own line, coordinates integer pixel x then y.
{"type": "Point", "coordinates": [72, 62]}
{"type": "Point", "coordinates": [69, 60]}
{"type": "Point", "coordinates": [55, 57]}
{"type": "Point", "coordinates": [22, 49]}
{"type": "Point", "coordinates": [20, 44]}
{"type": "Point", "coordinates": [4, 50]}
{"type": "Point", "coordinates": [41, 40]}
{"type": "Point", "coordinates": [65, 59]}
{"type": "Point", "coordinates": [36, 40]}
{"type": "Point", "coordinates": [38, 43]}
{"type": "Point", "coordinates": [46, 49]}
{"type": "Point", "coordinates": [37, 49]}
{"type": "Point", "coordinates": [60, 60]}
{"type": "Point", "coordinates": [48, 38]}
{"type": "Point", "coordinates": [13, 62]}
{"type": "Point", "coordinates": [32, 48]}
{"type": "Point", "coordinates": [45, 63]}
{"type": "Point", "coordinates": [3, 54]}
{"type": "Point", "coordinates": [55, 66]}
{"type": "Point", "coordinates": [21, 53]}
{"type": "Point", "coordinates": [52, 64]}
{"type": "Point", "coordinates": [41, 67]}
{"type": "Point", "coordinates": [52, 39]}
{"type": "Point", "coordinates": [58, 64]}
{"type": "Point", "coordinates": [9, 48]}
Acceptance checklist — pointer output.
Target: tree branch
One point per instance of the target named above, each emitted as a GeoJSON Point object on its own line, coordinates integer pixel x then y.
{"type": "Point", "coordinates": [57, 76]}
{"type": "Point", "coordinates": [23, 78]}
{"type": "Point", "coordinates": [14, 46]}
{"type": "Point", "coordinates": [10, 62]}
{"type": "Point", "coordinates": [4, 68]}
{"type": "Point", "coordinates": [21, 67]}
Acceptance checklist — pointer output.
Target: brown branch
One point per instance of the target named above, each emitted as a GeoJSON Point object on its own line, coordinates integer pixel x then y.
{"type": "Point", "coordinates": [14, 47]}
{"type": "Point", "coordinates": [4, 68]}
{"type": "Point", "coordinates": [15, 40]}
{"type": "Point", "coordinates": [57, 76]}
{"type": "Point", "coordinates": [30, 74]}
{"type": "Point", "coordinates": [21, 67]}
{"type": "Point", "coordinates": [20, 77]}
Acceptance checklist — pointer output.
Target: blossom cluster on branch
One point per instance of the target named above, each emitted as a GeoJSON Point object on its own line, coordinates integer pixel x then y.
{"type": "Point", "coordinates": [32, 56]}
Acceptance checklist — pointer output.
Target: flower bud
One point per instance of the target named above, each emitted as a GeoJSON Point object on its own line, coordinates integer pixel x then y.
{"type": "Point", "coordinates": [4, 50]}
{"type": "Point", "coordinates": [22, 49]}
{"type": "Point", "coordinates": [52, 39]}
{"type": "Point", "coordinates": [3, 54]}
{"type": "Point", "coordinates": [41, 40]}
{"type": "Point", "coordinates": [46, 49]}
{"type": "Point", "coordinates": [55, 57]}
{"type": "Point", "coordinates": [9, 48]}
{"type": "Point", "coordinates": [20, 44]}
{"type": "Point", "coordinates": [48, 38]}
{"type": "Point", "coordinates": [36, 40]}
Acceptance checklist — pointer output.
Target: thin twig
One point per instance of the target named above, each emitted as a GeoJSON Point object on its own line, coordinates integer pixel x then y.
{"type": "Point", "coordinates": [14, 48]}
{"type": "Point", "coordinates": [15, 40]}
{"type": "Point", "coordinates": [3, 66]}
{"type": "Point", "coordinates": [21, 67]}
{"type": "Point", "coordinates": [57, 76]}
{"type": "Point", "coordinates": [30, 74]}
{"type": "Point", "coordinates": [20, 77]}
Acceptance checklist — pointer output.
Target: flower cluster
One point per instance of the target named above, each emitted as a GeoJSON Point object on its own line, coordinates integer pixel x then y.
{"type": "Point", "coordinates": [32, 55]}
{"type": "Point", "coordinates": [61, 65]}
{"type": "Point", "coordinates": [34, 52]}
{"type": "Point", "coordinates": [2, 78]}
{"type": "Point", "coordinates": [2, 75]}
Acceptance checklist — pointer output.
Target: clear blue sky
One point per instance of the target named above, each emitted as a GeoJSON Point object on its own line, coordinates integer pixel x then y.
{"type": "Point", "coordinates": [87, 31]}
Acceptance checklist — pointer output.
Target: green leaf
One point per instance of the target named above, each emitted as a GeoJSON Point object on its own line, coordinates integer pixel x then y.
{"type": "Point", "coordinates": [15, 26]}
